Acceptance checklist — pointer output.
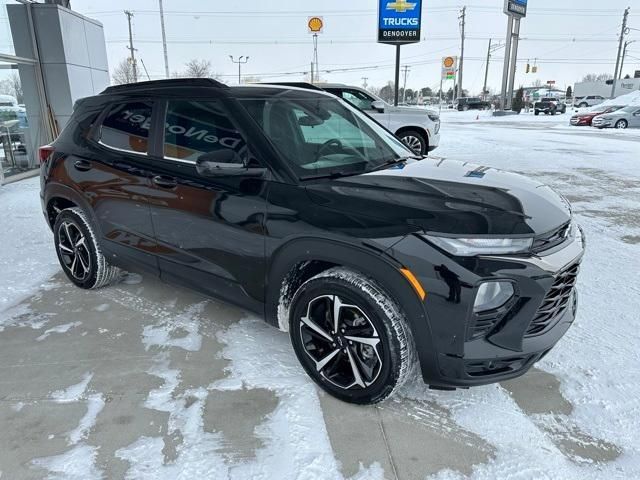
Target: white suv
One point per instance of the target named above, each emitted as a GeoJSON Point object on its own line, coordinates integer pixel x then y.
{"type": "Point", "coordinates": [417, 127]}
{"type": "Point", "coordinates": [588, 101]}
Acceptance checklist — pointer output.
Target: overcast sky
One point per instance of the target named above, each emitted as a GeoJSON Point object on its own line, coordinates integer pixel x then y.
{"type": "Point", "coordinates": [569, 38]}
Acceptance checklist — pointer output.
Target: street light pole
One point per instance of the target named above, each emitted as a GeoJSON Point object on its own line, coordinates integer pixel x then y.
{"type": "Point", "coordinates": [240, 61]}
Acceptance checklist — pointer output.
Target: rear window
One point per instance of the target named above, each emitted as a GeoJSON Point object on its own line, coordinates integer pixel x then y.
{"type": "Point", "coordinates": [126, 127]}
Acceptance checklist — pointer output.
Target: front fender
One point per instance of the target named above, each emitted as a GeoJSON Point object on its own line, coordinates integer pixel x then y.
{"type": "Point", "coordinates": [376, 264]}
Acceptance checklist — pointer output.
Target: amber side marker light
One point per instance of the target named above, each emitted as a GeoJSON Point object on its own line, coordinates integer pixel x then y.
{"type": "Point", "coordinates": [414, 283]}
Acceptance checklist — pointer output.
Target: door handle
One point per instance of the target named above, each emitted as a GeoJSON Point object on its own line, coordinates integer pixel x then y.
{"type": "Point", "coordinates": [164, 182]}
{"type": "Point", "coordinates": [82, 165]}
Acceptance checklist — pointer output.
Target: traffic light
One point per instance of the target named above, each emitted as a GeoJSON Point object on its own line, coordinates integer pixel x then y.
{"type": "Point", "coordinates": [528, 68]}
{"type": "Point", "coordinates": [534, 69]}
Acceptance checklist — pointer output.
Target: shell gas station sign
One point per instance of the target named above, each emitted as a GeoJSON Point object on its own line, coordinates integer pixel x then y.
{"type": "Point", "coordinates": [449, 68]}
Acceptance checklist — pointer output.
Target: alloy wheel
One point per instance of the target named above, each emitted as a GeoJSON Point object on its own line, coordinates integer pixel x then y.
{"type": "Point", "coordinates": [74, 251]}
{"type": "Point", "coordinates": [342, 342]}
{"type": "Point", "coordinates": [413, 143]}
{"type": "Point", "coordinates": [621, 124]}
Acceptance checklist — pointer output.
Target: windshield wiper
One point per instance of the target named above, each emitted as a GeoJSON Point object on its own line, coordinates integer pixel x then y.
{"type": "Point", "coordinates": [390, 163]}
{"type": "Point", "coordinates": [335, 174]}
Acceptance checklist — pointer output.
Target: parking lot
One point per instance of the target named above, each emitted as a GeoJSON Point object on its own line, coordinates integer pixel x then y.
{"type": "Point", "coordinates": [145, 380]}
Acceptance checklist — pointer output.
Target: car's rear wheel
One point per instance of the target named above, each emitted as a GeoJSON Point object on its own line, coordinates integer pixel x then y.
{"type": "Point", "coordinates": [79, 252]}
{"type": "Point", "coordinates": [536, 112]}
{"type": "Point", "coordinates": [350, 336]}
{"type": "Point", "coordinates": [415, 141]}
{"type": "Point", "coordinates": [583, 105]}
{"type": "Point", "coordinates": [622, 124]}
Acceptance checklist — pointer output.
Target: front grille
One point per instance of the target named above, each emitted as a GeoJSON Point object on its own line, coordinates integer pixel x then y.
{"type": "Point", "coordinates": [557, 300]}
{"type": "Point", "coordinates": [551, 239]}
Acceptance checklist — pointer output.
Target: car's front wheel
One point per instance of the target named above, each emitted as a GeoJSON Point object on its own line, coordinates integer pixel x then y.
{"type": "Point", "coordinates": [79, 252]}
{"type": "Point", "coordinates": [350, 336]}
{"type": "Point", "coordinates": [415, 141]}
{"type": "Point", "coordinates": [622, 124]}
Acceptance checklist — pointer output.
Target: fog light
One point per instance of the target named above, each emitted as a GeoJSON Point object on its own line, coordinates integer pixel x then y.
{"type": "Point", "coordinates": [492, 295]}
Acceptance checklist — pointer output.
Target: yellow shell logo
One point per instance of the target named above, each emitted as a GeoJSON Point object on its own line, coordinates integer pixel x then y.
{"type": "Point", "coordinates": [315, 24]}
{"type": "Point", "coordinates": [448, 62]}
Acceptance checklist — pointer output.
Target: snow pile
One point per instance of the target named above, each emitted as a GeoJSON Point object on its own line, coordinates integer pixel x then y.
{"type": "Point", "coordinates": [26, 235]}
{"type": "Point", "coordinates": [632, 98]}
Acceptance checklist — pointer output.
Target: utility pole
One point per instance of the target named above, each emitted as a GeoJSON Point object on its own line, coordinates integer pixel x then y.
{"type": "Point", "coordinates": [364, 82]}
{"type": "Point", "coordinates": [486, 72]}
{"type": "Point", "coordinates": [624, 54]}
{"type": "Point", "coordinates": [623, 31]}
{"type": "Point", "coordinates": [164, 41]}
{"type": "Point", "coordinates": [462, 18]}
{"type": "Point", "coordinates": [132, 50]}
{"type": "Point", "coordinates": [404, 87]}
{"type": "Point", "coordinates": [240, 62]}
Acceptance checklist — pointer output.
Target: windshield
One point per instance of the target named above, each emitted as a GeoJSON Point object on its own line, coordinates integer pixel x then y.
{"type": "Point", "coordinates": [630, 108]}
{"type": "Point", "coordinates": [320, 135]}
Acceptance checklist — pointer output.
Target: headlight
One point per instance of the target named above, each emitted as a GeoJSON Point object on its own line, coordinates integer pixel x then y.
{"type": "Point", "coordinates": [433, 117]}
{"type": "Point", "coordinates": [469, 247]}
{"type": "Point", "coordinates": [606, 118]}
{"type": "Point", "coordinates": [492, 295]}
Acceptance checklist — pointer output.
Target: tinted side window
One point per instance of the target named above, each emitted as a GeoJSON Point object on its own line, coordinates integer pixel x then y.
{"type": "Point", "coordinates": [358, 98]}
{"type": "Point", "coordinates": [126, 127]}
{"type": "Point", "coordinates": [193, 128]}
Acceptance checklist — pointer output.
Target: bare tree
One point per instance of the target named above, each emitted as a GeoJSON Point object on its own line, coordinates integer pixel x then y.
{"type": "Point", "coordinates": [198, 69]}
{"type": "Point", "coordinates": [597, 77]}
{"type": "Point", "coordinates": [123, 73]}
{"type": "Point", "coordinates": [12, 86]}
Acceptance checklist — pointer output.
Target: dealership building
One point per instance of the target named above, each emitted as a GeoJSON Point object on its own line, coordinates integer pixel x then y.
{"type": "Point", "coordinates": [50, 56]}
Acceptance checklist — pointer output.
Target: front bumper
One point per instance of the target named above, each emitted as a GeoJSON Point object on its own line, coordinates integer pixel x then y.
{"type": "Point", "coordinates": [602, 123]}
{"type": "Point", "coordinates": [470, 349]}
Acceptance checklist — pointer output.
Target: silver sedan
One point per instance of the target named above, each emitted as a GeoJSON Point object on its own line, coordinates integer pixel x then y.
{"type": "Point", "coordinates": [625, 117]}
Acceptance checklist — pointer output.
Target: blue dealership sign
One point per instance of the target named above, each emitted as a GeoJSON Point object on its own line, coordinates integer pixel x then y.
{"type": "Point", "coordinates": [399, 21]}
{"type": "Point", "coordinates": [515, 8]}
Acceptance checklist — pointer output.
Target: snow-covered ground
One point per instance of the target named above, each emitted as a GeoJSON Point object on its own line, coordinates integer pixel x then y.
{"type": "Point", "coordinates": [154, 382]}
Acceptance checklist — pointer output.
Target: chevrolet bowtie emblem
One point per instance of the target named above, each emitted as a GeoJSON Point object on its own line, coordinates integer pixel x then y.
{"type": "Point", "coordinates": [401, 6]}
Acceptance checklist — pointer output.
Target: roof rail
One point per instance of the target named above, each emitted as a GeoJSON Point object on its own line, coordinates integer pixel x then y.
{"type": "Point", "coordinates": [168, 83]}
{"type": "Point", "coordinates": [308, 86]}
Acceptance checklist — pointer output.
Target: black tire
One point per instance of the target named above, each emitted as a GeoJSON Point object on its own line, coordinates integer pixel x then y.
{"type": "Point", "coordinates": [583, 105]}
{"type": "Point", "coordinates": [465, 108]}
{"type": "Point", "coordinates": [536, 112]}
{"type": "Point", "coordinates": [415, 141]}
{"type": "Point", "coordinates": [352, 371]}
{"type": "Point", "coordinates": [76, 241]}
{"type": "Point", "coordinates": [621, 124]}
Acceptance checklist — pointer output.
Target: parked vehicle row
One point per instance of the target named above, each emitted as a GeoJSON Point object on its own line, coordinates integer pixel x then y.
{"type": "Point", "coordinates": [617, 116]}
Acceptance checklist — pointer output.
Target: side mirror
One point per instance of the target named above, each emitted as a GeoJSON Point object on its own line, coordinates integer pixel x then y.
{"type": "Point", "coordinates": [225, 163]}
{"type": "Point", "coordinates": [378, 105]}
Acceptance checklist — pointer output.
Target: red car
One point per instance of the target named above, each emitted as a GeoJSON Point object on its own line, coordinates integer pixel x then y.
{"type": "Point", "coordinates": [585, 119]}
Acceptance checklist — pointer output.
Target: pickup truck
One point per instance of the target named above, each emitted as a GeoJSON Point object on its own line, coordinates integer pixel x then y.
{"type": "Point", "coordinates": [549, 106]}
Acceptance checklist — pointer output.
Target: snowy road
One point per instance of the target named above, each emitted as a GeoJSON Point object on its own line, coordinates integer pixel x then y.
{"type": "Point", "coordinates": [143, 380]}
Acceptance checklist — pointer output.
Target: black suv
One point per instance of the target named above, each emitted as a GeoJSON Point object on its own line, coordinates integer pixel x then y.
{"type": "Point", "coordinates": [472, 103]}
{"type": "Point", "coordinates": [295, 205]}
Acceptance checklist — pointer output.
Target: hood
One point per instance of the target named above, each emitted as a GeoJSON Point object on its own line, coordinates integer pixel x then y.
{"type": "Point", "coordinates": [409, 110]}
{"type": "Point", "coordinates": [447, 196]}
